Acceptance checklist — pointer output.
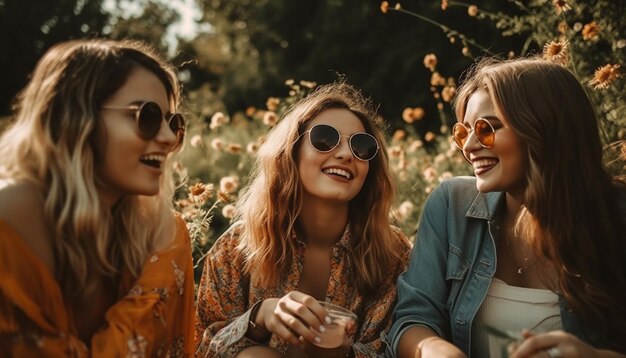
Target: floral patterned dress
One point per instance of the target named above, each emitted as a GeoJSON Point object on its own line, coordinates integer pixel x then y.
{"type": "Point", "coordinates": [226, 297]}
{"type": "Point", "coordinates": [154, 316]}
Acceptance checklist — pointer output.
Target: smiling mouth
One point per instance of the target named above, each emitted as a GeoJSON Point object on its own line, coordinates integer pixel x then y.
{"type": "Point", "coordinates": [338, 172]}
{"type": "Point", "coordinates": [154, 161]}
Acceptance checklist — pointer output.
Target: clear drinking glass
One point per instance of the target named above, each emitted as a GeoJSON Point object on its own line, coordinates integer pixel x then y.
{"type": "Point", "coordinates": [339, 316]}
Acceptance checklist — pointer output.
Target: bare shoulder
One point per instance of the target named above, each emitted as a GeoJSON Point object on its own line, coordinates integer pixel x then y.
{"type": "Point", "coordinates": [21, 208]}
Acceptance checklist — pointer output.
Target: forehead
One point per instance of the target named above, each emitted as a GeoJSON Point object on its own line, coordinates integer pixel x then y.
{"type": "Point", "coordinates": [142, 85]}
{"type": "Point", "coordinates": [344, 120]}
{"type": "Point", "coordinates": [479, 104]}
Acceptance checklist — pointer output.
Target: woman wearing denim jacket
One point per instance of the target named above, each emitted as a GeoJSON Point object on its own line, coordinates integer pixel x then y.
{"type": "Point", "coordinates": [534, 243]}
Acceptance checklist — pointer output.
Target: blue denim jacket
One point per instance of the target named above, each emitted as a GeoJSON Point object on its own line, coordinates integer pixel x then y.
{"type": "Point", "coordinates": [451, 266]}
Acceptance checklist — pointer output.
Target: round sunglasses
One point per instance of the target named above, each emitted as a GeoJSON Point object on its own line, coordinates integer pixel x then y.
{"type": "Point", "coordinates": [485, 134]}
{"type": "Point", "coordinates": [325, 138]}
{"type": "Point", "coordinates": [149, 117]}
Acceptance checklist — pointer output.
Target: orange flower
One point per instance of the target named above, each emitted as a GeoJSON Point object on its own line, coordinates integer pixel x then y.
{"type": "Point", "coordinates": [472, 10]}
{"type": "Point", "coordinates": [448, 93]}
{"type": "Point", "coordinates": [200, 193]}
{"type": "Point", "coordinates": [234, 148]}
{"type": "Point", "coordinates": [444, 5]}
{"type": "Point", "coordinates": [429, 136]}
{"type": "Point", "coordinates": [384, 7]}
{"type": "Point", "coordinates": [557, 51]}
{"type": "Point", "coordinates": [270, 118]}
{"type": "Point", "coordinates": [561, 6]}
{"type": "Point", "coordinates": [430, 61]}
{"type": "Point", "coordinates": [272, 103]}
{"type": "Point", "coordinates": [604, 76]}
{"type": "Point", "coordinates": [591, 31]}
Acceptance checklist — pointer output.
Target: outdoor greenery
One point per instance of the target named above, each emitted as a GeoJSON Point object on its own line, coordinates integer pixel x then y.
{"type": "Point", "coordinates": [260, 56]}
{"type": "Point", "coordinates": [221, 146]}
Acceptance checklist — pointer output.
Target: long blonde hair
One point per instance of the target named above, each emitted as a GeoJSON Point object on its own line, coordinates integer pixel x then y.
{"type": "Point", "coordinates": [571, 214]}
{"type": "Point", "coordinates": [270, 204]}
{"type": "Point", "coordinates": [54, 145]}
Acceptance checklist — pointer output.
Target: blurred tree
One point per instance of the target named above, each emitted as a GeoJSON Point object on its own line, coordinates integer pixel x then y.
{"type": "Point", "coordinates": [270, 41]}
{"type": "Point", "coordinates": [29, 27]}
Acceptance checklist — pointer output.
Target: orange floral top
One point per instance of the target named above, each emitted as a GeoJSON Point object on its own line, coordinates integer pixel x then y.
{"type": "Point", "coordinates": [153, 317]}
{"type": "Point", "coordinates": [226, 297]}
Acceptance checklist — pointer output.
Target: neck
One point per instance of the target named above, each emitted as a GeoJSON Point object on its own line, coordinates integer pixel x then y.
{"type": "Point", "coordinates": [322, 225]}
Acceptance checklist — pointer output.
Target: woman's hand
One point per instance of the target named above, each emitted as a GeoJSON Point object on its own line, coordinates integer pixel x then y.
{"type": "Point", "coordinates": [555, 344]}
{"type": "Point", "coordinates": [292, 316]}
{"type": "Point", "coordinates": [438, 347]}
{"type": "Point", "coordinates": [342, 351]}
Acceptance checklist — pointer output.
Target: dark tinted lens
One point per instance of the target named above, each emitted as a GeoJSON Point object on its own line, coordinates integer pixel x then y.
{"type": "Point", "coordinates": [364, 146]}
{"type": "Point", "coordinates": [484, 132]}
{"type": "Point", "coordinates": [149, 121]}
{"type": "Point", "coordinates": [177, 125]}
{"type": "Point", "coordinates": [459, 133]}
{"type": "Point", "coordinates": [324, 138]}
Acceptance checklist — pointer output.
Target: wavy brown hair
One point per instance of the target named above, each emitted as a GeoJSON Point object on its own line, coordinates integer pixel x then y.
{"type": "Point", "coordinates": [270, 204]}
{"type": "Point", "coordinates": [573, 212]}
{"type": "Point", "coordinates": [56, 144]}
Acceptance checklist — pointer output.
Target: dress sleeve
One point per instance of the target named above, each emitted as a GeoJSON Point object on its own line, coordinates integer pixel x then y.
{"type": "Point", "coordinates": [223, 307]}
{"type": "Point", "coordinates": [155, 318]}
{"type": "Point", "coordinates": [368, 341]}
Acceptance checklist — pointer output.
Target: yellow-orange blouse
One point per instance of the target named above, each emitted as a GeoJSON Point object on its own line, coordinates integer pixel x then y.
{"type": "Point", "coordinates": [153, 317]}
{"type": "Point", "coordinates": [226, 296]}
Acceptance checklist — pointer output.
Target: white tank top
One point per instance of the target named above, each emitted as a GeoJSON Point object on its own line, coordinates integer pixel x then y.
{"type": "Point", "coordinates": [511, 309]}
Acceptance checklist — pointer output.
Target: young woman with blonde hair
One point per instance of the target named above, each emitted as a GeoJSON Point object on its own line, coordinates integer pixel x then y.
{"type": "Point", "coordinates": [93, 261]}
{"type": "Point", "coordinates": [313, 224]}
{"type": "Point", "coordinates": [533, 244]}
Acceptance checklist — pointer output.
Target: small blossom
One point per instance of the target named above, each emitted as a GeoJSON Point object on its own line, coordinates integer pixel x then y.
{"type": "Point", "coordinates": [443, 129]}
{"type": "Point", "coordinates": [308, 84]}
{"type": "Point", "coordinates": [398, 135]}
{"type": "Point", "coordinates": [429, 136]}
{"type": "Point", "coordinates": [444, 5]}
{"type": "Point", "coordinates": [415, 145]}
{"type": "Point", "coordinates": [472, 10]}
{"type": "Point", "coordinates": [562, 28]}
{"type": "Point", "coordinates": [466, 51]}
{"type": "Point", "coordinates": [430, 174]}
{"type": "Point", "coordinates": [229, 184]}
{"type": "Point", "coordinates": [440, 106]}
{"type": "Point", "coordinates": [437, 80]}
{"type": "Point", "coordinates": [289, 82]}
{"type": "Point", "coordinates": [578, 26]}
{"type": "Point", "coordinates": [199, 193]}
{"type": "Point", "coordinates": [621, 43]}
{"type": "Point", "coordinates": [418, 113]}
{"type": "Point", "coordinates": [252, 147]}
{"type": "Point", "coordinates": [217, 120]}
{"type": "Point", "coordinates": [604, 76]}
{"type": "Point", "coordinates": [395, 151]}
{"type": "Point", "coordinates": [557, 51]}
{"type": "Point", "coordinates": [398, 6]}
{"type": "Point", "coordinates": [430, 61]}
{"type": "Point", "coordinates": [272, 103]}
{"type": "Point", "coordinates": [228, 211]}
{"type": "Point", "coordinates": [384, 7]}
{"type": "Point", "coordinates": [234, 148]}
{"type": "Point", "coordinates": [196, 141]}
{"type": "Point", "coordinates": [223, 197]}
{"type": "Point", "coordinates": [217, 144]}
{"type": "Point", "coordinates": [591, 31]}
{"type": "Point", "coordinates": [561, 6]}
{"type": "Point", "coordinates": [250, 111]}
{"type": "Point", "coordinates": [270, 118]}
{"type": "Point", "coordinates": [448, 93]}
{"type": "Point", "coordinates": [405, 210]}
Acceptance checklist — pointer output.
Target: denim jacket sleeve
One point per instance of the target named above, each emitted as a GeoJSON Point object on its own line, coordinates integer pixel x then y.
{"type": "Point", "coordinates": [422, 289]}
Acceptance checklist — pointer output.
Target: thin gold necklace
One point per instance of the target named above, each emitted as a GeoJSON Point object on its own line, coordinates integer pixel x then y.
{"type": "Point", "coordinates": [527, 262]}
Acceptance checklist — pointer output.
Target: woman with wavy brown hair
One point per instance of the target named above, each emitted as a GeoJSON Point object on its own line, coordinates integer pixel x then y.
{"type": "Point", "coordinates": [533, 244]}
{"type": "Point", "coordinates": [93, 261]}
{"type": "Point", "coordinates": [313, 224]}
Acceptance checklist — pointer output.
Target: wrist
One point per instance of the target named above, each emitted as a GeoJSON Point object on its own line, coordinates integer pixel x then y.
{"type": "Point", "coordinates": [256, 331]}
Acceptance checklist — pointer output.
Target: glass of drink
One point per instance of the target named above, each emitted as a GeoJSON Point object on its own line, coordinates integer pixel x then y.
{"type": "Point", "coordinates": [335, 331]}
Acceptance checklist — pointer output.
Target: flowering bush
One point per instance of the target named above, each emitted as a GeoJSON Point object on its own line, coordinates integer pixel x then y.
{"type": "Point", "coordinates": [587, 38]}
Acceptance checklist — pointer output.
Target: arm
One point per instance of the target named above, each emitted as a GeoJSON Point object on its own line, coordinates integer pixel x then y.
{"type": "Point", "coordinates": [423, 290]}
{"type": "Point", "coordinates": [223, 309]}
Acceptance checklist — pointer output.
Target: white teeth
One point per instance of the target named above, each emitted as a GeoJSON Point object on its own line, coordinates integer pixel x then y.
{"type": "Point", "coordinates": [337, 171]}
{"type": "Point", "coordinates": [480, 163]}
{"type": "Point", "coordinates": [155, 157]}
